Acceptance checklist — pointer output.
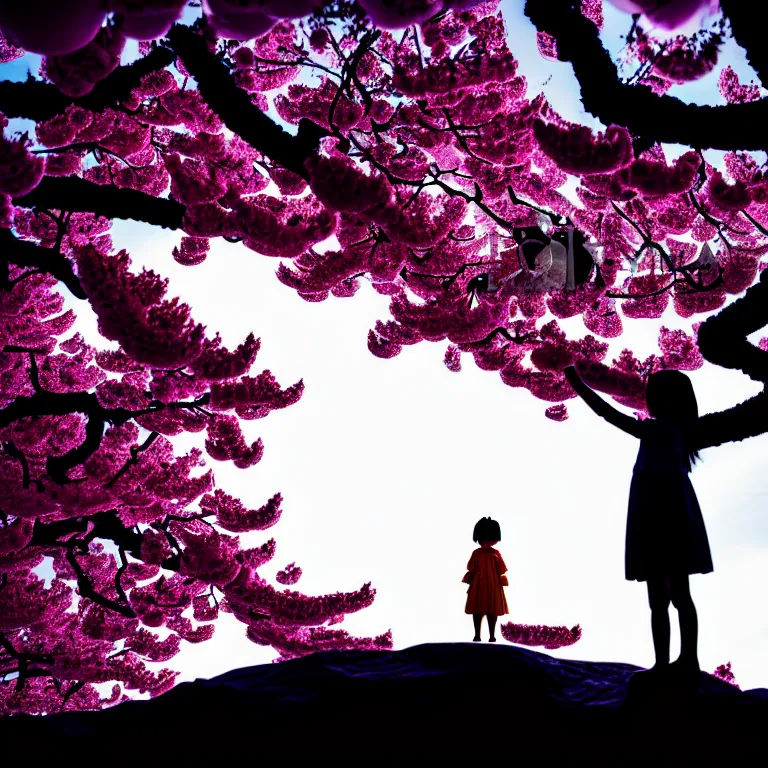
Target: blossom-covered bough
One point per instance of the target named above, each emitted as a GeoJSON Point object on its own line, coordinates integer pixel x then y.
{"type": "Point", "coordinates": [106, 535]}
{"type": "Point", "coordinates": [419, 162]}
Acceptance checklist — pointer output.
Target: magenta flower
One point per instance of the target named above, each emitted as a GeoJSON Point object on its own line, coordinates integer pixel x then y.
{"type": "Point", "coordinates": [540, 634]}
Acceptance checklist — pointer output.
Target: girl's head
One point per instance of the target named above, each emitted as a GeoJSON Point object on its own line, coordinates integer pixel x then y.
{"type": "Point", "coordinates": [486, 529]}
{"type": "Point", "coordinates": [670, 397]}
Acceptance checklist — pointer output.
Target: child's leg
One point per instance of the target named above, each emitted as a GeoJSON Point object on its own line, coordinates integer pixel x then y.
{"type": "Point", "coordinates": [477, 618]}
{"type": "Point", "coordinates": [658, 598]}
{"type": "Point", "coordinates": [492, 627]}
{"type": "Point", "coordinates": [680, 593]}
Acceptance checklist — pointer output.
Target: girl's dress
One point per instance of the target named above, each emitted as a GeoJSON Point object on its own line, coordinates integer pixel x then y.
{"type": "Point", "coordinates": [665, 530]}
{"type": "Point", "coordinates": [485, 594]}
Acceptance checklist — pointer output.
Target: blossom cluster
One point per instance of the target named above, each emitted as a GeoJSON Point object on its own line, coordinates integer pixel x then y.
{"type": "Point", "coordinates": [540, 634]}
{"type": "Point", "coordinates": [724, 673]}
{"type": "Point", "coordinates": [140, 552]}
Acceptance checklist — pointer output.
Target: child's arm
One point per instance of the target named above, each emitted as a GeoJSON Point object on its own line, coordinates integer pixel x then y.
{"type": "Point", "coordinates": [600, 407]}
{"type": "Point", "coordinates": [747, 419]}
{"type": "Point", "coordinates": [501, 570]}
{"type": "Point", "coordinates": [470, 574]}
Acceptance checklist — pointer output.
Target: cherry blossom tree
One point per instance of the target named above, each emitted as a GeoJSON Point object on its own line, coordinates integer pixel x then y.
{"type": "Point", "coordinates": [421, 164]}
{"type": "Point", "coordinates": [388, 142]}
{"type": "Point", "coordinates": [114, 550]}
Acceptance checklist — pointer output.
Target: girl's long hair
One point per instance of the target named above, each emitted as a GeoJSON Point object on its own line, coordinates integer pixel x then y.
{"type": "Point", "coordinates": [670, 397]}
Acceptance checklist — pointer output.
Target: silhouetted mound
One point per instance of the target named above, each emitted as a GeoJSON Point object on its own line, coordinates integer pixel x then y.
{"type": "Point", "coordinates": [429, 702]}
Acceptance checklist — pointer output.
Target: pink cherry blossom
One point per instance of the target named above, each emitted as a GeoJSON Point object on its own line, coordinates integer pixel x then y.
{"type": "Point", "coordinates": [75, 73]}
{"type": "Point", "coordinates": [557, 412]}
{"type": "Point", "coordinates": [576, 150]}
{"type": "Point", "coordinates": [533, 635]}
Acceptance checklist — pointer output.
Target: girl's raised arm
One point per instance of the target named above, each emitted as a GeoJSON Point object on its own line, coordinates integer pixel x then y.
{"type": "Point", "coordinates": [747, 419]}
{"type": "Point", "coordinates": [600, 407]}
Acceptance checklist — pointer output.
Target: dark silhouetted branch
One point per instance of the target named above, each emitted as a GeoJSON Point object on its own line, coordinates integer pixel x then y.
{"type": "Point", "coordinates": [37, 101]}
{"type": "Point", "coordinates": [44, 403]}
{"type": "Point", "coordinates": [86, 590]}
{"type": "Point", "coordinates": [747, 419]}
{"type": "Point", "coordinates": [233, 105]}
{"type": "Point", "coordinates": [748, 24]}
{"type": "Point", "coordinates": [135, 451]}
{"type": "Point", "coordinates": [25, 254]}
{"type": "Point", "coordinates": [58, 404]}
{"type": "Point", "coordinates": [79, 195]}
{"type": "Point", "coordinates": [74, 688]}
{"type": "Point", "coordinates": [58, 466]}
{"type": "Point", "coordinates": [119, 576]}
{"type": "Point", "coordinates": [23, 660]}
{"type": "Point", "coordinates": [14, 452]}
{"type": "Point", "coordinates": [723, 337]}
{"type": "Point", "coordinates": [653, 118]}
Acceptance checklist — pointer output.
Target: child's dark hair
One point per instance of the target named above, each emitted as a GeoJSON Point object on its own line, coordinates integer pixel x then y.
{"type": "Point", "coordinates": [670, 397]}
{"type": "Point", "coordinates": [486, 529]}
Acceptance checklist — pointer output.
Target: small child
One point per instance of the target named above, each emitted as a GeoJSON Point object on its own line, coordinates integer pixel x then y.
{"type": "Point", "coordinates": [486, 579]}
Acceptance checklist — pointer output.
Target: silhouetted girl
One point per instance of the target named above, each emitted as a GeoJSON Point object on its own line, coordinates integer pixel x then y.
{"type": "Point", "coordinates": [486, 579]}
{"type": "Point", "coordinates": [666, 538]}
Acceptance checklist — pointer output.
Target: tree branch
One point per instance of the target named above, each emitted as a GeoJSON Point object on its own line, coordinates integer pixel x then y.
{"type": "Point", "coordinates": [79, 195]}
{"type": "Point", "coordinates": [86, 590]}
{"type": "Point", "coordinates": [233, 105]}
{"type": "Point", "coordinates": [74, 688]}
{"type": "Point", "coordinates": [24, 254]}
{"type": "Point", "coordinates": [119, 575]}
{"type": "Point", "coordinates": [13, 451]}
{"type": "Point", "coordinates": [722, 338]}
{"type": "Point", "coordinates": [105, 526]}
{"type": "Point", "coordinates": [58, 404]}
{"type": "Point", "coordinates": [58, 466]}
{"type": "Point", "coordinates": [44, 403]}
{"type": "Point", "coordinates": [22, 661]}
{"type": "Point", "coordinates": [135, 451]}
{"type": "Point", "coordinates": [748, 25]}
{"type": "Point", "coordinates": [648, 116]}
{"type": "Point", "coordinates": [37, 101]}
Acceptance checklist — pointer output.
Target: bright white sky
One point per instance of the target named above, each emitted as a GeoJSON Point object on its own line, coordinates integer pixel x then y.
{"type": "Point", "coordinates": [386, 465]}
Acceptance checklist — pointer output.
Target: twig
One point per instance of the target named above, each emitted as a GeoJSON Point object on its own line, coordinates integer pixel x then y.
{"type": "Point", "coordinates": [86, 588]}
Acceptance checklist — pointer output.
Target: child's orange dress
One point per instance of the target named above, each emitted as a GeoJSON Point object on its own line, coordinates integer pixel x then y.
{"type": "Point", "coordinates": [486, 593]}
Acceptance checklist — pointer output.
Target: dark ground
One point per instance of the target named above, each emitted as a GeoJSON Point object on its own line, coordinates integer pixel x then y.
{"type": "Point", "coordinates": [429, 703]}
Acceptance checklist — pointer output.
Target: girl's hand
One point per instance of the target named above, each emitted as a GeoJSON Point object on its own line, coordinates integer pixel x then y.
{"type": "Point", "coordinates": [571, 374]}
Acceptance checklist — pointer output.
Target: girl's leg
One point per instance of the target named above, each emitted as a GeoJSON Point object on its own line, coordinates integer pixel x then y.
{"type": "Point", "coordinates": [492, 627]}
{"type": "Point", "coordinates": [477, 618]}
{"type": "Point", "coordinates": [680, 592]}
{"type": "Point", "coordinates": [658, 598]}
